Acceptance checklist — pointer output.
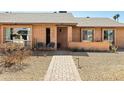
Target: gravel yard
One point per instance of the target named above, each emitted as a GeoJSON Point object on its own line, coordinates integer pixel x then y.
{"type": "Point", "coordinates": [94, 66]}
{"type": "Point", "coordinates": [101, 66]}
{"type": "Point", "coordinates": [35, 69]}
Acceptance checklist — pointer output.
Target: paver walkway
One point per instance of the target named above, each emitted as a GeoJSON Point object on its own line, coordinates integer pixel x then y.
{"type": "Point", "coordinates": [62, 68]}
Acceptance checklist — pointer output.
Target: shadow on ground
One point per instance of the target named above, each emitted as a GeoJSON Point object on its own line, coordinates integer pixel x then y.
{"type": "Point", "coordinates": [58, 52]}
{"type": "Point", "coordinates": [121, 50]}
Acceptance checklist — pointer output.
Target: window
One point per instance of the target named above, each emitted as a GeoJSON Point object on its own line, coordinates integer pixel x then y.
{"type": "Point", "coordinates": [109, 35]}
{"type": "Point", "coordinates": [7, 34]}
{"type": "Point", "coordinates": [17, 33]}
{"type": "Point", "coordinates": [23, 33]}
{"type": "Point", "coordinates": [88, 35]}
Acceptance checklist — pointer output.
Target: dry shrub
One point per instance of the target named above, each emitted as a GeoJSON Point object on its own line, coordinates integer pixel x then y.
{"type": "Point", "coordinates": [13, 54]}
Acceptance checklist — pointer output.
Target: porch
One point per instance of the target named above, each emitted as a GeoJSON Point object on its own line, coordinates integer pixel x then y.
{"type": "Point", "coordinates": [51, 37]}
{"type": "Point", "coordinates": [77, 38]}
{"type": "Point", "coordinates": [94, 39]}
{"type": "Point", "coordinates": [57, 37]}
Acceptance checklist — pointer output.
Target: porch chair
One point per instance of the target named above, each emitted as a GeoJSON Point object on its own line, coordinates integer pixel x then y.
{"type": "Point", "coordinates": [50, 46]}
{"type": "Point", "coordinates": [40, 45]}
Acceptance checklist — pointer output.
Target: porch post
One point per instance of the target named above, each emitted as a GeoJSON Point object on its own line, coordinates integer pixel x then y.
{"type": "Point", "coordinates": [102, 35]}
{"type": "Point", "coordinates": [43, 33]}
{"type": "Point", "coordinates": [115, 37]}
{"type": "Point", "coordinates": [2, 35]}
{"type": "Point", "coordinates": [69, 34]}
{"type": "Point", "coordinates": [53, 36]}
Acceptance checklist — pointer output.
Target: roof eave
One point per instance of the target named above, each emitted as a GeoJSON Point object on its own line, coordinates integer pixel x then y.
{"type": "Point", "coordinates": [58, 23]}
{"type": "Point", "coordinates": [100, 26]}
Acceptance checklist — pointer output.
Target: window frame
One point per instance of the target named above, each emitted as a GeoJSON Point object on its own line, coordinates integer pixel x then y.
{"type": "Point", "coordinates": [29, 33]}
{"type": "Point", "coordinates": [108, 38]}
{"type": "Point", "coordinates": [82, 34]}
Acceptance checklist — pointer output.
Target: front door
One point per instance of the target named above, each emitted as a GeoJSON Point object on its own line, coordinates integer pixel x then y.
{"type": "Point", "coordinates": [62, 37]}
{"type": "Point", "coordinates": [47, 36]}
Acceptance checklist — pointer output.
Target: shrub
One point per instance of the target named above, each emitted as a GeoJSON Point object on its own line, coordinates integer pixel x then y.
{"type": "Point", "coordinates": [13, 54]}
{"type": "Point", "coordinates": [114, 49]}
{"type": "Point", "coordinates": [89, 49]}
{"type": "Point", "coordinates": [74, 49]}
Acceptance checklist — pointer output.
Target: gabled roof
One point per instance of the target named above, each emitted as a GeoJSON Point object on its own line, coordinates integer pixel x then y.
{"type": "Point", "coordinates": [36, 18]}
{"type": "Point", "coordinates": [98, 22]}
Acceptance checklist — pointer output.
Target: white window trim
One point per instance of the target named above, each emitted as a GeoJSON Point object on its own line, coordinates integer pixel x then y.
{"type": "Point", "coordinates": [15, 26]}
{"type": "Point", "coordinates": [114, 39]}
{"type": "Point", "coordinates": [93, 29]}
{"type": "Point", "coordinates": [29, 34]}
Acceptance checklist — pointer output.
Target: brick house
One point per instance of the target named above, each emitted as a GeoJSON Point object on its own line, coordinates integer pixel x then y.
{"type": "Point", "coordinates": [65, 30]}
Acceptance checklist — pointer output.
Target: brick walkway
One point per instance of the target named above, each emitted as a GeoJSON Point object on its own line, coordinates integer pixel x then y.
{"type": "Point", "coordinates": [62, 68]}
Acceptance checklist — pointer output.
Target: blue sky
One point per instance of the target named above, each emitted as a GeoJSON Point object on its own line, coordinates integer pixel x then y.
{"type": "Point", "coordinates": [99, 14]}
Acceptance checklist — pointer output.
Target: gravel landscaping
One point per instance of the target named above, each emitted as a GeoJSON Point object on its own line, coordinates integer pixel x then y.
{"type": "Point", "coordinates": [34, 69]}
{"type": "Point", "coordinates": [93, 66]}
{"type": "Point", "coordinates": [101, 66]}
